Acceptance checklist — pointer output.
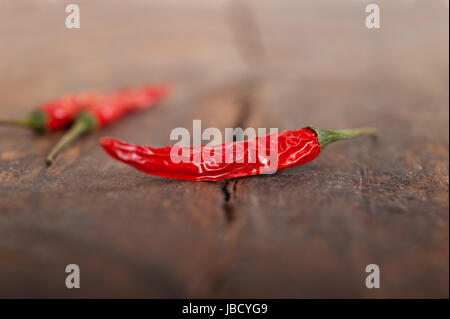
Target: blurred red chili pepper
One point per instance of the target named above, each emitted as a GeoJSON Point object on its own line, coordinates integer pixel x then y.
{"type": "Point", "coordinates": [56, 114]}
{"type": "Point", "coordinates": [109, 108]}
{"type": "Point", "coordinates": [292, 148]}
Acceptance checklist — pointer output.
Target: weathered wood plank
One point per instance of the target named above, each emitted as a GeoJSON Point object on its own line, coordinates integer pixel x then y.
{"type": "Point", "coordinates": [310, 231]}
{"type": "Point", "coordinates": [132, 235]}
{"type": "Point", "coordinates": [305, 232]}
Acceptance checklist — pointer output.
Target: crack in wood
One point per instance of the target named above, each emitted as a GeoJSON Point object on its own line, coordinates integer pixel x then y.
{"type": "Point", "coordinates": [250, 47]}
{"type": "Point", "coordinates": [228, 207]}
{"type": "Point", "coordinates": [245, 103]}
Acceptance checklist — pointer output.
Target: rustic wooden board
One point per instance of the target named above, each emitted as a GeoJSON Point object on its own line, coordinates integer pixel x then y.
{"type": "Point", "coordinates": [307, 231]}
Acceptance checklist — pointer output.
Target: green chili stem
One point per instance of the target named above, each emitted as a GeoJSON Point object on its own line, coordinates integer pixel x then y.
{"type": "Point", "coordinates": [37, 121]}
{"type": "Point", "coordinates": [84, 124]}
{"type": "Point", "coordinates": [22, 122]}
{"type": "Point", "coordinates": [329, 136]}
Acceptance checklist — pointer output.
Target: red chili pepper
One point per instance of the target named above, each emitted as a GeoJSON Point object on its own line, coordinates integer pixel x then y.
{"type": "Point", "coordinates": [56, 114]}
{"type": "Point", "coordinates": [109, 108]}
{"type": "Point", "coordinates": [293, 148]}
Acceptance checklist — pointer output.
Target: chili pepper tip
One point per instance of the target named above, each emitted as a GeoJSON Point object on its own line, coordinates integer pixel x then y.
{"type": "Point", "coordinates": [109, 144]}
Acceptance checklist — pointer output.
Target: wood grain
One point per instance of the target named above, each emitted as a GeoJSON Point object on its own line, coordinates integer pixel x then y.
{"type": "Point", "coordinates": [307, 231]}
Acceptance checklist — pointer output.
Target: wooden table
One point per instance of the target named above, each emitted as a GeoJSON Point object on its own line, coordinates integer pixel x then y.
{"type": "Point", "coordinates": [308, 231]}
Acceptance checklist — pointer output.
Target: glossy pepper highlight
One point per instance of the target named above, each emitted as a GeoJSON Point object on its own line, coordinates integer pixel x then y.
{"type": "Point", "coordinates": [56, 114]}
{"type": "Point", "coordinates": [109, 108]}
{"type": "Point", "coordinates": [292, 148]}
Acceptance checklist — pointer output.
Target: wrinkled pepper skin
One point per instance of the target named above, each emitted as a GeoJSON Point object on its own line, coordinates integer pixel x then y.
{"type": "Point", "coordinates": [292, 148]}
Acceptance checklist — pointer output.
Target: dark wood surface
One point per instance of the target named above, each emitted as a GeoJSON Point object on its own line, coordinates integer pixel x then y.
{"type": "Point", "coordinates": [308, 231]}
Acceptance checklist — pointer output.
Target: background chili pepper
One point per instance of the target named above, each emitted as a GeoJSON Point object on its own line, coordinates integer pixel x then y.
{"type": "Point", "coordinates": [293, 148]}
{"type": "Point", "coordinates": [109, 108]}
{"type": "Point", "coordinates": [56, 114]}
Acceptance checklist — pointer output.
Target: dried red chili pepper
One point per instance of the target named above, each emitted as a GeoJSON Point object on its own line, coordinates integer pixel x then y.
{"type": "Point", "coordinates": [109, 108]}
{"type": "Point", "coordinates": [293, 148]}
{"type": "Point", "coordinates": [56, 114]}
